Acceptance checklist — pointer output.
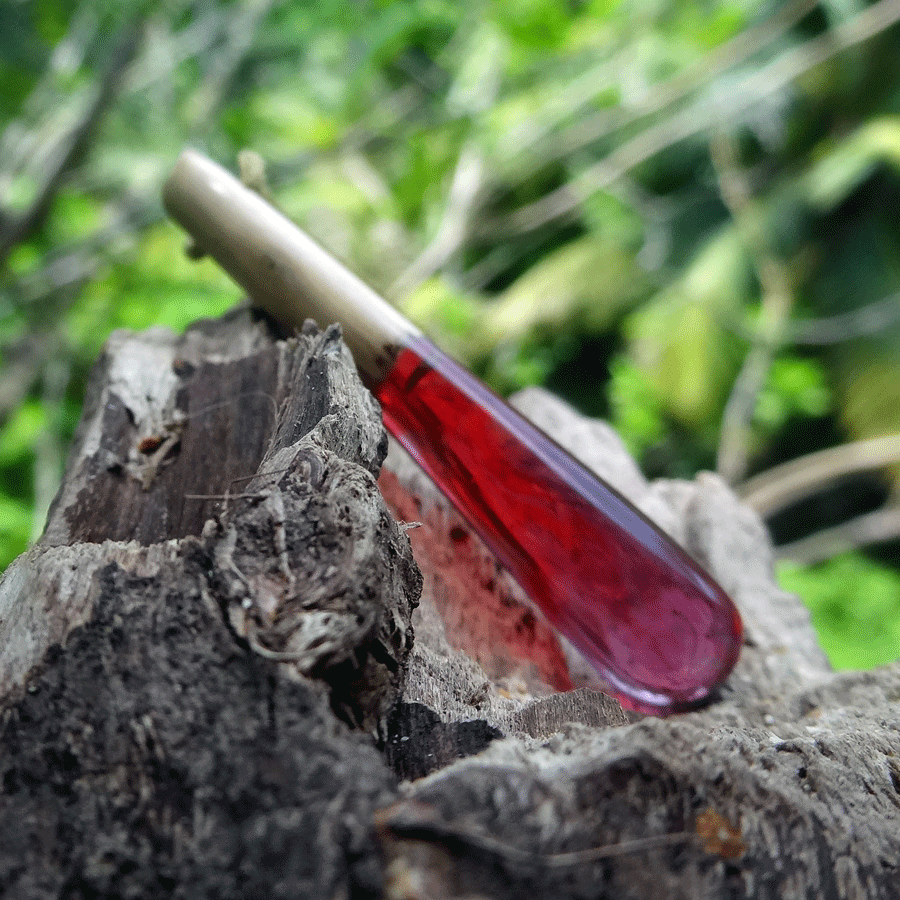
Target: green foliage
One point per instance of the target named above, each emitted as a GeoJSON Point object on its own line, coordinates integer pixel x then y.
{"type": "Point", "coordinates": [637, 407]}
{"type": "Point", "coordinates": [795, 387]}
{"type": "Point", "coordinates": [624, 200]}
{"type": "Point", "coordinates": [588, 281]}
{"type": "Point", "coordinates": [844, 164]}
{"type": "Point", "coordinates": [16, 522]}
{"type": "Point", "coordinates": [17, 439]}
{"type": "Point", "coordinates": [19, 434]}
{"type": "Point", "coordinates": [859, 634]}
{"type": "Point", "coordinates": [451, 317]}
{"type": "Point", "coordinates": [678, 339]}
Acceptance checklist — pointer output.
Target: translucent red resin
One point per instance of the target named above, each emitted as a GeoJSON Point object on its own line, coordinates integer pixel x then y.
{"type": "Point", "coordinates": [657, 629]}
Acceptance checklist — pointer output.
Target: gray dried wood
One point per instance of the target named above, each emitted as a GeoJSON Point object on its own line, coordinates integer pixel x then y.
{"type": "Point", "coordinates": [195, 659]}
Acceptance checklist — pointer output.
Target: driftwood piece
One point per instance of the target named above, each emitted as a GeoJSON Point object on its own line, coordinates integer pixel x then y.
{"type": "Point", "coordinates": [203, 724]}
{"type": "Point", "coordinates": [204, 696]}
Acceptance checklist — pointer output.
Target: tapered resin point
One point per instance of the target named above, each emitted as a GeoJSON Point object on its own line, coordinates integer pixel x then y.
{"type": "Point", "coordinates": [659, 631]}
{"type": "Point", "coordinates": [651, 622]}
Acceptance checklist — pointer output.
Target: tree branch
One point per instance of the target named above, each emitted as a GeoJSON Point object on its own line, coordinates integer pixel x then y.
{"type": "Point", "coordinates": [871, 528]}
{"type": "Point", "coordinates": [590, 129]}
{"type": "Point", "coordinates": [466, 190]}
{"type": "Point", "coordinates": [777, 303]}
{"type": "Point", "coordinates": [782, 485]}
{"type": "Point", "coordinates": [14, 228]}
{"type": "Point", "coordinates": [700, 117]}
{"type": "Point", "coordinates": [873, 318]}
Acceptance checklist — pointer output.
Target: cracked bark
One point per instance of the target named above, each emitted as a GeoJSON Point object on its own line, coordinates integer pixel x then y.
{"type": "Point", "coordinates": [209, 685]}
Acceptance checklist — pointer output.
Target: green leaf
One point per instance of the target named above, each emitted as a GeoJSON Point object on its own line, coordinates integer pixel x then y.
{"type": "Point", "coordinates": [637, 408]}
{"type": "Point", "coordinates": [588, 282]}
{"type": "Point", "coordinates": [279, 121]}
{"type": "Point", "coordinates": [534, 24]}
{"type": "Point", "coordinates": [449, 316]}
{"type": "Point", "coordinates": [677, 340]}
{"type": "Point", "coordinates": [681, 348]}
{"type": "Point", "coordinates": [870, 398]}
{"type": "Point", "coordinates": [160, 285]}
{"type": "Point", "coordinates": [794, 387]}
{"type": "Point", "coordinates": [479, 71]}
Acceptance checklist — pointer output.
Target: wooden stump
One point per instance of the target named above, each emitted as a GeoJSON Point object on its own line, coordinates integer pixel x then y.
{"type": "Point", "coordinates": [209, 685]}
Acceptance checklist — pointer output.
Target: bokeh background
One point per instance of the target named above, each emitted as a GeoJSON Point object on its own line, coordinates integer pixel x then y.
{"type": "Point", "coordinates": [683, 217]}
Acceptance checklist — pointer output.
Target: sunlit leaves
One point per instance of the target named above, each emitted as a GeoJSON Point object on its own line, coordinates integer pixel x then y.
{"type": "Point", "coordinates": [17, 439]}
{"type": "Point", "coordinates": [588, 282]}
{"type": "Point", "coordinates": [476, 82]}
{"type": "Point", "coordinates": [870, 397]}
{"type": "Point", "coordinates": [679, 339]}
{"type": "Point", "coordinates": [637, 407]}
{"type": "Point", "coordinates": [280, 122]}
{"type": "Point", "coordinates": [20, 432]}
{"type": "Point", "coordinates": [156, 285]}
{"type": "Point", "coordinates": [450, 317]}
{"type": "Point", "coordinates": [795, 387]}
{"type": "Point", "coordinates": [535, 24]}
{"type": "Point", "coordinates": [15, 526]}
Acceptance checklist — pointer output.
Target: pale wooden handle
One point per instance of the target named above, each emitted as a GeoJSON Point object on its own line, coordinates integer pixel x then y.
{"type": "Point", "coordinates": [280, 267]}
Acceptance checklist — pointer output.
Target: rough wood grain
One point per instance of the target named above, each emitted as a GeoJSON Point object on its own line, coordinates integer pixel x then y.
{"type": "Point", "coordinates": [191, 686]}
{"type": "Point", "coordinates": [207, 697]}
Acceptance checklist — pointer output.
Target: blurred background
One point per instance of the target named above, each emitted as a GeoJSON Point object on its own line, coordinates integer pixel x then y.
{"type": "Point", "coordinates": [680, 217]}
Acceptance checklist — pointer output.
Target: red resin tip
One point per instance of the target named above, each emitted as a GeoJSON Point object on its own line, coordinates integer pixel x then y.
{"type": "Point", "coordinates": [653, 624]}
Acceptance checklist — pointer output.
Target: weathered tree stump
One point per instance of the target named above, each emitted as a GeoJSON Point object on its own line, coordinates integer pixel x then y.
{"type": "Point", "coordinates": [209, 685]}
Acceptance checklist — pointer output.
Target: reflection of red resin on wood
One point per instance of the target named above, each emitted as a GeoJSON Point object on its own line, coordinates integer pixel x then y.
{"type": "Point", "coordinates": [657, 628]}
{"type": "Point", "coordinates": [475, 599]}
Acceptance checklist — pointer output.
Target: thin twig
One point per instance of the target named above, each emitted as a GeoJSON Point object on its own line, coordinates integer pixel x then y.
{"type": "Point", "coordinates": [587, 130]}
{"type": "Point", "coordinates": [871, 319]}
{"type": "Point", "coordinates": [405, 821]}
{"type": "Point", "coordinates": [20, 143]}
{"type": "Point", "coordinates": [699, 117]}
{"type": "Point", "coordinates": [777, 301]}
{"type": "Point", "coordinates": [16, 227]}
{"type": "Point", "coordinates": [226, 497]}
{"type": "Point", "coordinates": [463, 198]}
{"type": "Point", "coordinates": [732, 454]}
{"type": "Point", "coordinates": [871, 528]}
{"type": "Point", "coordinates": [753, 39]}
{"type": "Point", "coordinates": [69, 266]}
{"type": "Point", "coordinates": [23, 362]}
{"type": "Point", "coordinates": [773, 490]}
{"type": "Point", "coordinates": [165, 51]}
{"type": "Point", "coordinates": [62, 274]}
{"type": "Point", "coordinates": [242, 25]}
